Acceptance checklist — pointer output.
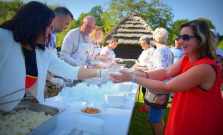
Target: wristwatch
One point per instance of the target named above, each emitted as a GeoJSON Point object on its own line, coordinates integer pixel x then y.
{"type": "Point", "coordinates": [133, 79]}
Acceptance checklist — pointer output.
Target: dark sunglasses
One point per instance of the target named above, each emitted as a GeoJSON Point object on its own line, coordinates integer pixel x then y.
{"type": "Point", "coordinates": [185, 37]}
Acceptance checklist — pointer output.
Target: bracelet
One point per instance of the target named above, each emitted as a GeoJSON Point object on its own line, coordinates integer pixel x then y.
{"type": "Point", "coordinates": [133, 79]}
{"type": "Point", "coordinates": [147, 76]}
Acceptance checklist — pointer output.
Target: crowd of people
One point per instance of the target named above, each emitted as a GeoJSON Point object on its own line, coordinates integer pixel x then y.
{"type": "Point", "coordinates": [26, 59]}
{"type": "Point", "coordinates": [192, 70]}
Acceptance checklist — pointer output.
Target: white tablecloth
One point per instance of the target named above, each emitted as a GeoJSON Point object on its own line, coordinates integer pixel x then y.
{"type": "Point", "coordinates": [116, 120]}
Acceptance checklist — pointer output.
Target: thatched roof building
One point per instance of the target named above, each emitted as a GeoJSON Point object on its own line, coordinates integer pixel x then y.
{"type": "Point", "coordinates": [128, 31]}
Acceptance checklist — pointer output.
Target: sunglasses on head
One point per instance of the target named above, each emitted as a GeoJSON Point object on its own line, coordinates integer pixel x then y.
{"type": "Point", "coordinates": [185, 37]}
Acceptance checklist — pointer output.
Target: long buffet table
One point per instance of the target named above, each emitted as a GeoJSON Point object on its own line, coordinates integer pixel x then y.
{"type": "Point", "coordinates": [116, 120]}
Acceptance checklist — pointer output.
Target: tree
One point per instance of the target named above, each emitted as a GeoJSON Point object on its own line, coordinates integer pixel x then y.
{"type": "Point", "coordinates": [80, 19]}
{"type": "Point", "coordinates": [96, 12]}
{"type": "Point", "coordinates": [174, 31]}
{"type": "Point", "coordinates": [60, 36]}
{"type": "Point", "coordinates": [8, 9]}
{"type": "Point", "coordinates": [220, 44]}
{"type": "Point", "coordinates": [159, 15]}
{"type": "Point", "coordinates": [208, 21]}
{"type": "Point", "coordinates": [156, 13]}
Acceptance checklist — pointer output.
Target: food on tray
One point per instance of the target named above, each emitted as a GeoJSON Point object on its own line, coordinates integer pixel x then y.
{"type": "Point", "coordinates": [21, 122]}
{"type": "Point", "coordinates": [90, 110]}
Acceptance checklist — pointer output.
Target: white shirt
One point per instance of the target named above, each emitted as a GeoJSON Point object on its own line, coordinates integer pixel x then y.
{"type": "Point", "coordinates": [76, 48]}
{"type": "Point", "coordinates": [106, 50]}
{"type": "Point", "coordinates": [144, 56]}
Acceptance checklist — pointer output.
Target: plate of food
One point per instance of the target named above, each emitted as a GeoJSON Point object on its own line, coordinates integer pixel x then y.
{"type": "Point", "coordinates": [91, 111]}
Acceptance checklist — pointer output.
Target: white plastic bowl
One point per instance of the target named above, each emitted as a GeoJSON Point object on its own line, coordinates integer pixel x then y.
{"type": "Point", "coordinates": [126, 86]}
{"type": "Point", "coordinates": [115, 99]}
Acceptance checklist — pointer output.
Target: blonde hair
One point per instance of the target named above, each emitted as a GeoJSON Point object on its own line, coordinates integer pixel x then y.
{"type": "Point", "coordinates": [160, 35]}
{"type": "Point", "coordinates": [202, 31]}
{"type": "Point", "coordinates": [93, 33]}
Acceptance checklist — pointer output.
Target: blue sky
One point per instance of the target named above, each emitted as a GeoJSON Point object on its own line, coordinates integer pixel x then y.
{"type": "Point", "coordinates": [182, 9]}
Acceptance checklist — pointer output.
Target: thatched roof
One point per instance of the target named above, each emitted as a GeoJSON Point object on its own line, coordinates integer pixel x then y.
{"type": "Point", "coordinates": [129, 30]}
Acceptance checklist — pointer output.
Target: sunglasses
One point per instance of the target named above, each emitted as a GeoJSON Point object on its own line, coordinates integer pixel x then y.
{"type": "Point", "coordinates": [185, 37]}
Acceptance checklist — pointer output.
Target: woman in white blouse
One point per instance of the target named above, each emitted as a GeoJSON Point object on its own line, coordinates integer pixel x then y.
{"type": "Point", "coordinates": [142, 61]}
{"type": "Point", "coordinates": [146, 53]}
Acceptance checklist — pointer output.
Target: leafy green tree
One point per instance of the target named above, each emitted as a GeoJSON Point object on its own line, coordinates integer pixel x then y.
{"type": "Point", "coordinates": [80, 19]}
{"type": "Point", "coordinates": [220, 44]}
{"type": "Point", "coordinates": [159, 14]}
{"type": "Point", "coordinates": [60, 36]}
{"type": "Point", "coordinates": [174, 31]}
{"type": "Point", "coordinates": [96, 12]}
{"type": "Point", "coordinates": [208, 21]}
{"type": "Point", "coordinates": [11, 5]}
{"type": "Point", "coordinates": [8, 9]}
{"type": "Point", "coordinates": [156, 13]}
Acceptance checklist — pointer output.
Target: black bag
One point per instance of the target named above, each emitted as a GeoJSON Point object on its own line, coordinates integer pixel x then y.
{"type": "Point", "coordinates": [156, 100]}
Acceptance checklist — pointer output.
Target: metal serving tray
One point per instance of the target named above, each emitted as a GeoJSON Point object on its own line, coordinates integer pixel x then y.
{"type": "Point", "coordinates": [46, 127]}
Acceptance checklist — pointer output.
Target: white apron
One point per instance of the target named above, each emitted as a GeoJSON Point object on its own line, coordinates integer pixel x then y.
{"type": "Point", "coordinates": [96, 53]}
{"type": "Point", "coordinates": [82, 53]}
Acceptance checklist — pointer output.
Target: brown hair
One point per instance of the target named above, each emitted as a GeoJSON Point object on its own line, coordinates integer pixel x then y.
{"type": "Point", "coordinates": [113, 39]}
{"type": "Point", "coordinates": [30, 23]}
{"type": "Point", "coordinates": [202, 31]}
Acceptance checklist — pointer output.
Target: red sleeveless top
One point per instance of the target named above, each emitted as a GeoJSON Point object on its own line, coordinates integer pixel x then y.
{"type": "Point", "coordinates": [195, 111]}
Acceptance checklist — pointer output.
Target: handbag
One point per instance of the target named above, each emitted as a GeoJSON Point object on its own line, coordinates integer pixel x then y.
{"type": "Point", "coordinates": [157, 100]}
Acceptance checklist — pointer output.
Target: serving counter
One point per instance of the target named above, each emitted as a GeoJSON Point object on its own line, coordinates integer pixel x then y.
{"type": "Point", "coordinates": [116, 120]}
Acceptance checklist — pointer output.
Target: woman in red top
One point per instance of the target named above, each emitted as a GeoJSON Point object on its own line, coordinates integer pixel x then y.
{"type": "Point", "coordinates": [197, 107]}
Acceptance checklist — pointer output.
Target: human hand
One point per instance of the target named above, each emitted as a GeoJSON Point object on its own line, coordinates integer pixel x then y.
{"type": "Point", "coordinates": [114, 63]}
{"type": "Point", "coordinates": [105, 72]}
{"type": "Point", "coordinates": [125, 76]}
{"type": "Point", "coordinates": [58, 82]}
{"type": "Point", "coordinates": [139, 73]}
{"type": "Point", "coordinates": [141, 69]}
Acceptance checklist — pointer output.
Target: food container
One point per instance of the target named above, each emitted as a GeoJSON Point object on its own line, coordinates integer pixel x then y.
{"type": "Point", "coordinates": [126, 86]}
{"type": "Point", "coordinates": [115, 99]}
{"type": "Point", "coordinates": [46, 127]}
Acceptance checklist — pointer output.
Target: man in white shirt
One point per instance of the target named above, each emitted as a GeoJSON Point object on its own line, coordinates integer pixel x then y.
{"type": "Point", "coordinates": [60, 22]}
{"type": "Point", "coordinates": [76, 48]}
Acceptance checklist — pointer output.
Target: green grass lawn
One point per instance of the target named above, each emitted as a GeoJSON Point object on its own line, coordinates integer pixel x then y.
{"type": "Point", "coordinates": [139, 124]}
